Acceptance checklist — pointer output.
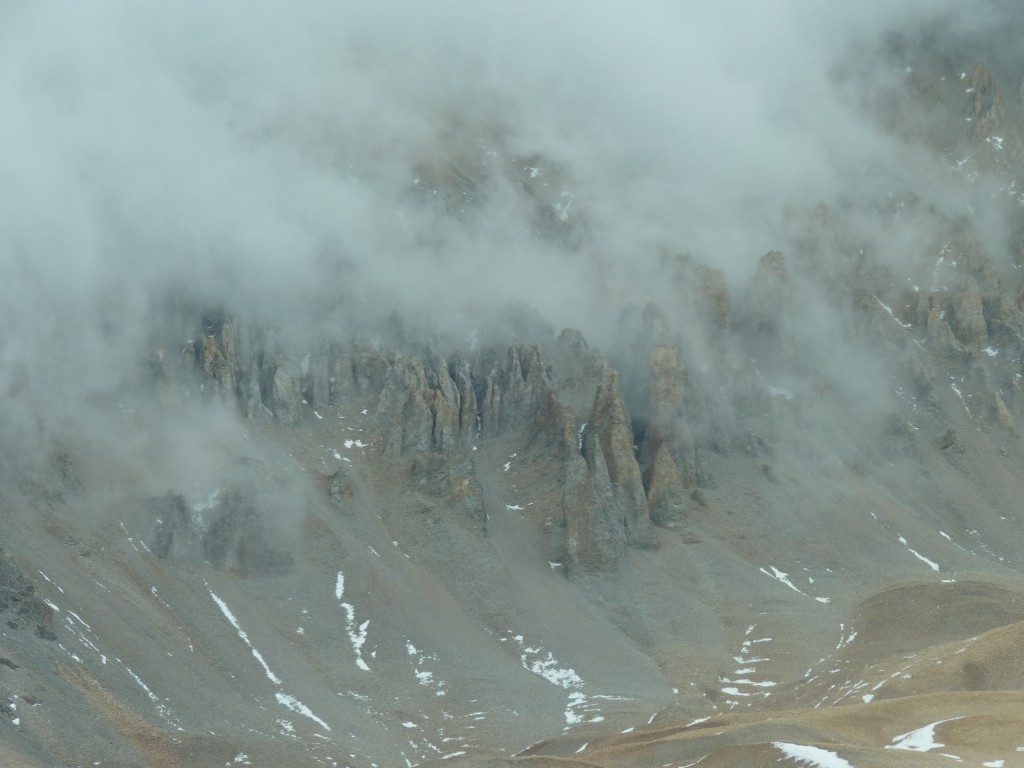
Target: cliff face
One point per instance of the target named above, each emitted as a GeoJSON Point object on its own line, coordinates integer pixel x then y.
{"type": "Point", "coordinates": [563, 404]}
{"type": "Point", "coordinates": [625, 459]}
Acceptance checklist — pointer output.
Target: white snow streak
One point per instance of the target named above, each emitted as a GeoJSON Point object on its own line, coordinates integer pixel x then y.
{"type": "Point", "coordinates": [891, 314]}
{"type": "Point", "coordinates": [299, 708]}
{"type": "Point", "coordinates": [245, 638]}
{"type": "Point", "coordinates": [283, 698]}
{"type": "Point", "coordinates": [931, 564]}
{"type": "Point", "coordinates": [356, 634]}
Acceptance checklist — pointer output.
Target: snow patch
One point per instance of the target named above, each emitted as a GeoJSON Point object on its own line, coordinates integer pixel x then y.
{"type": "Point", "coordinates": [920, 739]}
{"type": "Point", "coordinates": [424, 676]}
{"type": "Point", "coordinates": [544, 664]}
{"type": "Point", "coordinates": [754, 683]}
{"type": "Point", "coordinates": [781, 577]}
{"type": "Point", "coordinates": [579, 708]}
{"type": "Point", "coordinates": [811, 756]}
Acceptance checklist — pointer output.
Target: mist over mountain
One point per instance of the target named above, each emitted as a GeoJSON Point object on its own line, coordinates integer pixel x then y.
{"type": "Point", "coordinates": [320, 159]}
{"type": "Point", "coordinates": [603, 385]}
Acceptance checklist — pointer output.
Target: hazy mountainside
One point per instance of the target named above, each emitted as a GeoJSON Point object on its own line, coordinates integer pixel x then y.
{"type": "Point", "coordinates": [299, 466]}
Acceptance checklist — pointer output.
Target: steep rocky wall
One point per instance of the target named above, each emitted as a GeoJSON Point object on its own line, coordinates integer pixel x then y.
{"type": "Point", "coordinates": [634, 456]}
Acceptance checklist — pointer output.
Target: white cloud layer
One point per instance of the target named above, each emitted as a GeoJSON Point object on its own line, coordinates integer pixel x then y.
{"type": "Point", "coordinates": [438, 158]}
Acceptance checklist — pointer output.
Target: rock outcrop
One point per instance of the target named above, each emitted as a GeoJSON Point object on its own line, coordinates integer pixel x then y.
{"type": "Point", "coordinates": [604, 503]}
{"type": "Point", "coordinates": [20, 605]}
{"type": "Point", "coordinates": [986, 105]}
{"type": "Point", "coordinates": [421, 407]}
{"type": "Point", "coordinates": [512, 392]}
{"type": "Point", "coordinates": [561, 402]}
{"type": "Point", "coordinates": [624, 457]}
{"type": "Point", "coordinates": [441, 487]}
{"type": "Point", "coordinates": [231, 534]}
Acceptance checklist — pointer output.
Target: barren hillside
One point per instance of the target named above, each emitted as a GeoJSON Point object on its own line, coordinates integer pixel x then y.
{"type": "Point", "coordinates": [377, 398]}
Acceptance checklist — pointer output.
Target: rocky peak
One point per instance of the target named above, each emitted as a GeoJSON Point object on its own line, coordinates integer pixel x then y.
{"type": "Point", "coordinates": [986, 104]}
{"type": "Point", "coordinates": [422, 406]}
{"type": "Point", "coordinates": [511, 392]}
{"type": "Point", "coordinates": [705, 289]}
{"type": "Point", "coordinates": [713, 300]}
{"type": "Point", "coordinates": [604, 503]}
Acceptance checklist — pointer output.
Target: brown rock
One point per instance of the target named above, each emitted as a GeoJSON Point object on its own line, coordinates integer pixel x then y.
{"type": "Point", "coordinates": [665, 490]}
{"type": "Point", "coordinates": [986, 106]}
{"type": "Point", "coordinates": [968, 317]}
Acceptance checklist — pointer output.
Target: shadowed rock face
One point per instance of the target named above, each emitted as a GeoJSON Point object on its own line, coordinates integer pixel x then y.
{"type": "Point", "coordinates": [230, 534]}
{"type": "Point", "coordinates": [627, 458]}
{"type": "Point", "coordinates": [20, 605]}
{"type": "Point", "coordinates": [565, 403]}
{"type": "Point", "coordinates": [239, 539]}
{"type": "Point", "coordinates": [177, 535]}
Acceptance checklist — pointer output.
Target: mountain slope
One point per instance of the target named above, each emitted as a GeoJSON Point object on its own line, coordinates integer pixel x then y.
{"type": "Point", "coordinates": [298, 465]}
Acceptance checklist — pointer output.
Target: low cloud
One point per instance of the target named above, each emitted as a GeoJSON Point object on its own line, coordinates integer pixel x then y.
{"type": "Point", "coordinates": [334, 162]}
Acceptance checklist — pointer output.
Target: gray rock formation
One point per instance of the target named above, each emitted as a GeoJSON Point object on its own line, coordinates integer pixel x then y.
{"type": "Point", "coordinates": [986, 102]}
{"type": "Point", "coordinates": [19, 604]}
{"type": "Point", "coordinates": [421, 406]}
{"type": "Point", "coordinates": [512, 391]}
{"type": "Point", "coordinates": [240, 540]}
{"type": "Point", "coordinates": [440, 487]}
{"type": "Point", "coordinates": [232, 534]}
